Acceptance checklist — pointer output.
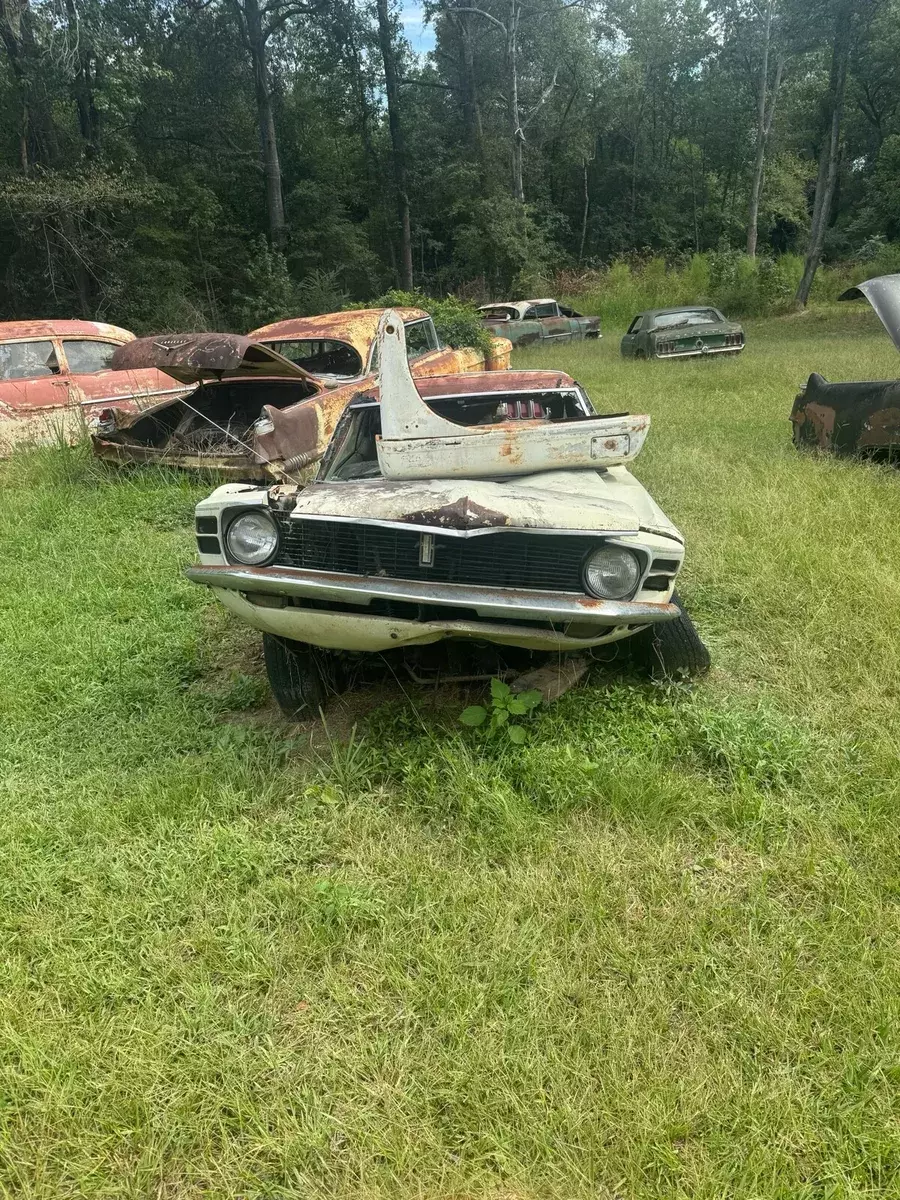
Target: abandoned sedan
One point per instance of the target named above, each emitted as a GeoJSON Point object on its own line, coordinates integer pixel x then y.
{"type": "Point", "coordinates": [527, 321]}
{"type": "Point", "coordinates": [855, 418]}
{"type": "Point", "coordinates": [495, 510]}
{"type": "Point", "coordinates": [265, 405]}
{"type": "Point", "coordinates": [681, 333]}
{"type": "Point", "coordinates": [56, 374]}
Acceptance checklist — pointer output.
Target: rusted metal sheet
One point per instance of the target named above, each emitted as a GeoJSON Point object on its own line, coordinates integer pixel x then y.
{"type": "Point", "coordinates": [192, 357]}
{"type": "Point", "coordinates": [858, 417]}
{"type": "Point", "coordinates": [417, 443]}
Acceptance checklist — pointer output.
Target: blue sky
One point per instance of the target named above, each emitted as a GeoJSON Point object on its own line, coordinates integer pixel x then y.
{"type": "Point", "coordinates": [420, 35]}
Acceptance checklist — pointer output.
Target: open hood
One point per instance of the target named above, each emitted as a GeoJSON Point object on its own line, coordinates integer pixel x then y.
{"type": "Point", "coordinates": [883, 293]}
{"type": "Point", "coordinates": [194, 357]}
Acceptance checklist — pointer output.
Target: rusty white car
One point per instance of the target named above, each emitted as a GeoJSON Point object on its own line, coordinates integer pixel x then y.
{"type": "Point", "coordinates": [266, 403]}
{"type": "Point", "coordinates": [494, 511]}
{"type": "Point", "coordinates": [55, 375]}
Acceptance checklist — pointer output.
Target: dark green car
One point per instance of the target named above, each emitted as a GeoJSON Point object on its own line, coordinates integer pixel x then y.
{"type": "Point", "coordinates": [681, 333]}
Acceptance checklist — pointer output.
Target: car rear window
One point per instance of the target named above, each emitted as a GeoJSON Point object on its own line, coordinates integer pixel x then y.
{"type": "Point", "coordinates": [694, 316]}
{"type": "Point", "coordinates": [27, 360]}
{"type": "Point", "coordinates": [86, 357]}
{"type": "Point", "coordinates": [321, 356]}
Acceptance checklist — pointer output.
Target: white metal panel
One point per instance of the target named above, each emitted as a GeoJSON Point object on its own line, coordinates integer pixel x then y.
{"type": "Point", "coordinates": [417, 443]}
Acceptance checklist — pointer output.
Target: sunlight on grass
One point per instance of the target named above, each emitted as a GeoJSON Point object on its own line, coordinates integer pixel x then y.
{"type": "Point", "coordinates": [651, 953]}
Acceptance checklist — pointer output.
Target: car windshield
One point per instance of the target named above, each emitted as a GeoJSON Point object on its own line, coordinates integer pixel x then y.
{"type": "Point", "coordinates": [27, 360]}
{"type": "Point", "coordinates": [694, 316]}
{"type": "Point", "coordinates": [320, 356]}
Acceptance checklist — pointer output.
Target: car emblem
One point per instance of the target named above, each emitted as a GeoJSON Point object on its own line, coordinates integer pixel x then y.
{"type": "Point", "coordinates": [426, 550]}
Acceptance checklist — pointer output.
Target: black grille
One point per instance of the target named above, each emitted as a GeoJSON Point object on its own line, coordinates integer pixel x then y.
{"type": "Point", "coordinates": [547, 562]}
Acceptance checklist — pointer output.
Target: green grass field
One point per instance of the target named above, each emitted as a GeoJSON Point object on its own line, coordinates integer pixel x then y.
{"type": "Point", "coordinates": [652, 953]}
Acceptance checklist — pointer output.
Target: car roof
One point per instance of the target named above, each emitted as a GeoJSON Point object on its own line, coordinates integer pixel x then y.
{"type": "Point", "coordinates": [14, 330]}
{"type": "Point", "coordinates": [358, 327]}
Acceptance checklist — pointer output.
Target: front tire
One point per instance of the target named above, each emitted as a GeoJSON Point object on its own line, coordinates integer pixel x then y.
{"type": "Point", "coordinates": [301, 677]}
{"type": "Point", "coordinates": [671, 650]}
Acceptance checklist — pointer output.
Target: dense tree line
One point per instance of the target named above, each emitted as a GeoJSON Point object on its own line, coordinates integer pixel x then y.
{"type": "Point", "coordinates": [218, 162]}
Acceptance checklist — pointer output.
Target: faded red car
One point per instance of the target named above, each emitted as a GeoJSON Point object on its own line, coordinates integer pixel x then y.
{"type": "Point", "coordinates": [56, 374]}
{"type": "Point", "coordinates": [265, 405]}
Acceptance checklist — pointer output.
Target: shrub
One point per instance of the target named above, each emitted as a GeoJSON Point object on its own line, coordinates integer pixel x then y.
{"type": "Point", "coordinates": [457, 322]}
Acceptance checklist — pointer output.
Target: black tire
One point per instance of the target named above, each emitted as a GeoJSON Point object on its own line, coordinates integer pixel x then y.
{"type": "Point", "coordinates": [671, 650]}
{"type": "Point", "coordinates": [301, 677]}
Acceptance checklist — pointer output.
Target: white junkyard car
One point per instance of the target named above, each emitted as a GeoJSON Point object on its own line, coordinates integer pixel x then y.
{"type": "Point", "coordinates": [494, 509]}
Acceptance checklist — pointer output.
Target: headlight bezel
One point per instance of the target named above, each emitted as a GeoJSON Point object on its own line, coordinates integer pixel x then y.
{"type": "Point", "coordinates": [231, 517]}
{"type": "Point", "coordinates": [638, 556]}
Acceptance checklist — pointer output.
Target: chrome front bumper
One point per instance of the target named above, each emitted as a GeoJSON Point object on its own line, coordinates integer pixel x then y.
{"type": "Point", "coordinates": [490, 604]}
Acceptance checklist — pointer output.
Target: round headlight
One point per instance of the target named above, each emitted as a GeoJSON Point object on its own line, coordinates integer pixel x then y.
{"type": "Point", "coordinates": [252, 538]}
{"type": "Point", "coordinates": [612, 573]}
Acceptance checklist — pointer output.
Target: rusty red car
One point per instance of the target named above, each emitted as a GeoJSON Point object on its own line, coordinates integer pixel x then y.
{"type": "Point", "coordinates": [55, 374]}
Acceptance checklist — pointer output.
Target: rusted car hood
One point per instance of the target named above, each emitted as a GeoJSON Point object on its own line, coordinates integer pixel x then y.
{"type": "Point", "coordinates": [580, 501]}
{"type": "Point", "coordinates": [466, 505]}
{"type": "Point", "coordinates": [193, 357]}
{"type": "Point", "coordinates": [883, 293]}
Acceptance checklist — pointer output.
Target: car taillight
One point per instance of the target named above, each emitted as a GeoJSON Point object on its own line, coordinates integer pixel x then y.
{"type": "Point", "coordinates": [106, 420]}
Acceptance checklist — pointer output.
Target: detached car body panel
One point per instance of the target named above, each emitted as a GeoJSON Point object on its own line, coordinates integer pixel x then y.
{"type": "Point", "coordinates": [861, 417]}
{"type": "Point", "coordinates": [525, 322]}
{"type": "Point", "coordinates": [686, 332]}
{"type": "Point", "coordinates": [255, 423]}
{"type": "Point", "coordinates": [55, 375]}
{"type": "Point", "coordinates": [367, 559]}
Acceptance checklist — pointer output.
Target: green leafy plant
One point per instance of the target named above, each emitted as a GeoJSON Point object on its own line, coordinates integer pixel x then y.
{"type": "Point", "coordinates": [505, 704]}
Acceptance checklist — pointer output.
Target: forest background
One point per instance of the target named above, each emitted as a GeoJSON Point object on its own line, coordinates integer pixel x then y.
{"type": "Point", "coordinates": [176, 164]}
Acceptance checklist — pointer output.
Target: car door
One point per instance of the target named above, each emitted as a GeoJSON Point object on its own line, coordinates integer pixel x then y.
{"type": "Point", "coordinates": [554, 325]}
{"type": "Point", "coordinates": [31, 378]}
{"type": "Point", "coordinates": [94, 384]}
{"type": "Point", "coordinates": [630, 342]}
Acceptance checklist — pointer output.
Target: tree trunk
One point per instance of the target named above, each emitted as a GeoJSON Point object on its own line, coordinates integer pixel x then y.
{"type": "Point", "coordinates": [587, 205]}
{"type": "Point", "coordinates": [516, 132]}
{"type": "Point", "coordinates": [398, 154]}
{"type": "Point", "coordinates": [765, 116]}
{"type": "Point", "coordinates": [268, 139]}
{"type": "Point", "coordinates": [471, 106]}
{"type": "Point", "coordinates": [83, 84]}
{"type": "Point", "coordinates": [829, 154]}
{"type": "Point", "coordinates": [37, 135]}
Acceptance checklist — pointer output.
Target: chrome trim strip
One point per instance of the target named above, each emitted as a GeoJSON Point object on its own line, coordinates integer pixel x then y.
{"type": "Point", "coordinates": [179, 391]}
{"type": "Point", "coordinates": [696, 353]}
{"type": "Point", "coordinates": [490, 603]}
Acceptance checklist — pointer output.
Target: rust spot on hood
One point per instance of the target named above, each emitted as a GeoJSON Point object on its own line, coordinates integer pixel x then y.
{"type": "Point", "coordinates": [461, 514]}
